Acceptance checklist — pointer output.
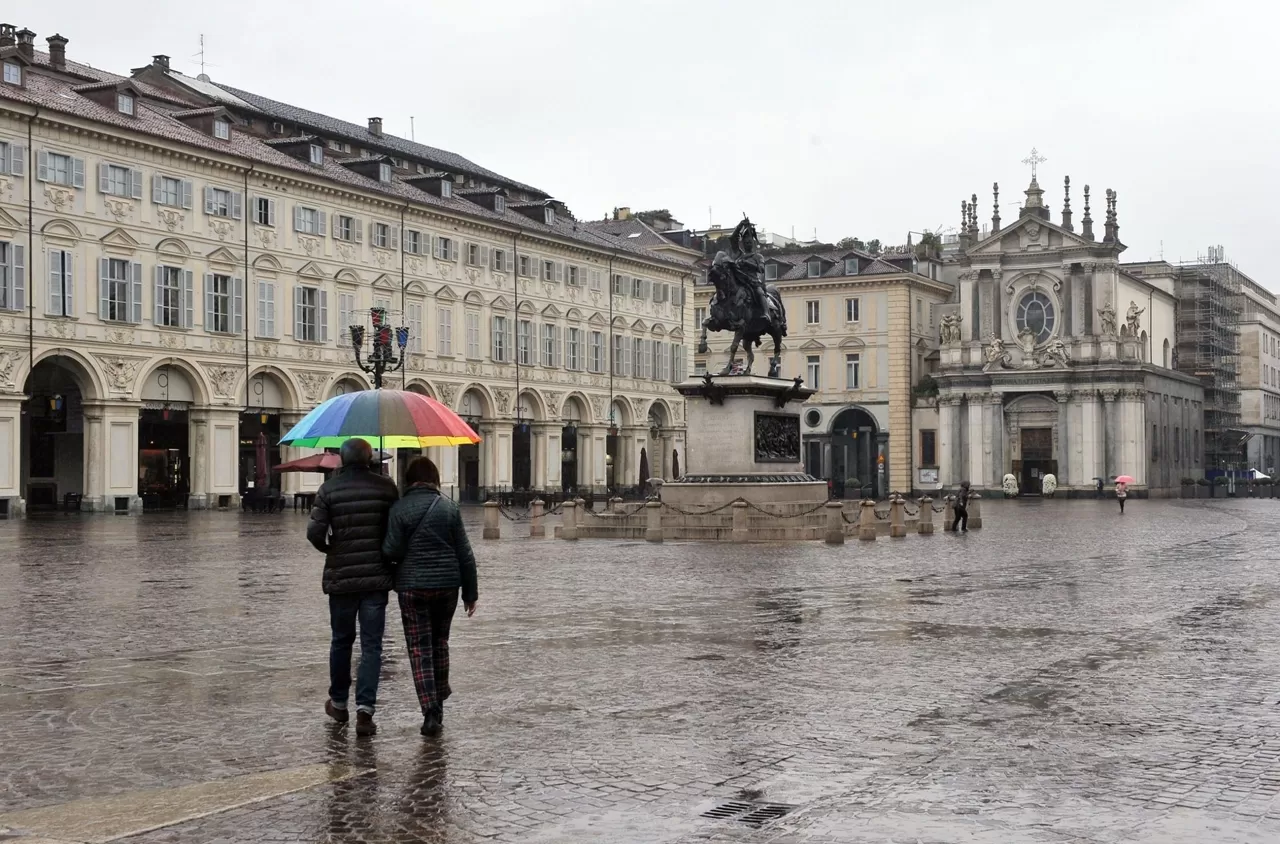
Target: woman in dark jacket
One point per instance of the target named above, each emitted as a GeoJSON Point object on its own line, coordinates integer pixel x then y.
{"type": "Point", "coordinates": [426, 538]}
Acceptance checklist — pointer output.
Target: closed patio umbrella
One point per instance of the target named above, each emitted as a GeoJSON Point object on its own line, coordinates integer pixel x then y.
{"type": "Point", "coordinates": [644, 468]}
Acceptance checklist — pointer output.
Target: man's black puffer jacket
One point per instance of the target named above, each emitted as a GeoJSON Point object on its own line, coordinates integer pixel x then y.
{"type": "Point", "coordinates": [348, 524]}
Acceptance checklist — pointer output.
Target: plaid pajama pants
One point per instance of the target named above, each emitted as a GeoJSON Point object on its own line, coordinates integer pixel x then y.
{"type": "Point", "coordinates": [427, 615]}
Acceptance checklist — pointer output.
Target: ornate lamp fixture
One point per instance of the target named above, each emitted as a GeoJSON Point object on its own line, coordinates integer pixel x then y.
{"type": "Point", "coordinates": [382, 358]}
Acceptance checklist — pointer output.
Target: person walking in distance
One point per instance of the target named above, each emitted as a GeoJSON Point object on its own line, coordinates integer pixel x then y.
{"type": "Point", "coordinates": [1121, 494]}
{"type": "Point", "coordinates": [962, 509]}
{"type": "Point", "coordinates": [348, 524]}
{"type": "Point", "coordinates": [426, 538]}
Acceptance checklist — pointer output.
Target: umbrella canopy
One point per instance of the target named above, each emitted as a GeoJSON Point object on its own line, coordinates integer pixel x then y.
{"type": "Point", "coordinates": [1124, 479]}
{"type": "Point", "coordinates": [385, 418]}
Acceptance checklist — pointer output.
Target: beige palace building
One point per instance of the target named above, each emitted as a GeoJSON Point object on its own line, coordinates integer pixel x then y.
{"type": "Point", "coordinates": [861, 331]}
{"type": "Point", "coordinates": [180, 260]}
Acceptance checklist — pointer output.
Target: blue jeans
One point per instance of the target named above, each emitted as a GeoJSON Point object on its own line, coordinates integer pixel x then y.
{"type": "Point", "coordinates": [371, 610]}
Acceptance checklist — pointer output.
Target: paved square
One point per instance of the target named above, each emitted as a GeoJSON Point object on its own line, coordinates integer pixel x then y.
{"type": "Point", "coordinates": [1063, 675]}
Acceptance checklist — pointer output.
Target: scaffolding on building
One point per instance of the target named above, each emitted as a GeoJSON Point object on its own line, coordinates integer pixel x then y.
{"type": "Point", "coordinates": [1210, 302]}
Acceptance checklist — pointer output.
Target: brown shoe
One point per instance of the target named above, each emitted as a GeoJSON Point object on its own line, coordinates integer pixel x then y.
{"type": "Point", "coordinates": [339, 715]}
{"type": "Point", "coordinates": [365, 725]}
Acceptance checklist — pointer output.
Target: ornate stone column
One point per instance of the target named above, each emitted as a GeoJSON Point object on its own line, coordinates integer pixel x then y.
{"type": "Point", "coordinates": [1110, 435]}
{"type": "Point", "coordinates": [1134, 460]}
{"type": "Point", "coordinates": [948, 408]}
{"type": "Point", "coordinates": [11, 453]}
{"type": "Point", "coordinates": [998, 464]}
{"type": "Point", "coordinates": [111, 429]}
{"type": "Point", "coordinates": [198, 431]}
{"type": "Point", "coordinates": [978, 437]}
{"type": "Point", "coordinates": [1063, 453]}
{"type": "Point", "coordinates": [1067, 292]}
{"type": "Point", "coordinates": [1087, 304]}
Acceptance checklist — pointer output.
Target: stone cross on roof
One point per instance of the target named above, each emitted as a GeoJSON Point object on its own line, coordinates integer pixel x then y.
{"type": "Point", "coordinates": [1033, 159]}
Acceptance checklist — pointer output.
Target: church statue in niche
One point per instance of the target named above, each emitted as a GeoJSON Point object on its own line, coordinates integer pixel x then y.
{"type": "Point", "coordinates": [1133, 318]}
{"type": "Point", "coordinates": [1108, 316]}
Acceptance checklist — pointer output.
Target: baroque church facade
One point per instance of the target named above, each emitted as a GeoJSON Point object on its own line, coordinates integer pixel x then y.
{"type": "Point", "coordinates": [1056, 359]}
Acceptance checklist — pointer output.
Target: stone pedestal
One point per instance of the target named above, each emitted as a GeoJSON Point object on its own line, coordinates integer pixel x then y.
{"type": "Point", "coordinates": [743, 440]}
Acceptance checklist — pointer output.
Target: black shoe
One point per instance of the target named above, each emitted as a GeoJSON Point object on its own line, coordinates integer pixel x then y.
{"type": "Point", "coordinates": [431, 726]}
{"type": "Point", "coordinates": [365, 725]}
{"type": "Point", "coordinates": [339, 715]}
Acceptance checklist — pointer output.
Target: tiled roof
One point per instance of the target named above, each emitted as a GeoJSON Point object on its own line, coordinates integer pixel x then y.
{"type": "Point", "coordinates": [799, 269]}
{"type": "Point", "coordinates": [92, 74]}
{"type": "Point", "coordinates": [475, 191]}
{"type": "Point", "coordinates": [53, 94]}
{"type": "Point", "coordinates": [296, 139]}
{"type": "Point", "coordinates": [635, 230]}
{"type": "Point", "coordinates": [361, 134]}
{"type": "Point", "coordinates": [197, 112]}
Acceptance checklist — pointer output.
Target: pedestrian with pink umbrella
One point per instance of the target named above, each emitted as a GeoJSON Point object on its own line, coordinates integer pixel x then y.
{"type": "Point", "coordinates": [1122, 489]}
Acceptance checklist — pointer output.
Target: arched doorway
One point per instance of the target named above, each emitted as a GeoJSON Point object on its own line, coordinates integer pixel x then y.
{"type": "Point", "coordinates": [164, 440]}
{"type": "Point", "coordinates": [659, 434]}
{"type": "Point", "coordinates": [615, 453]}
{"type": "Point", "coordinates": [856, 471]}
{"type": "Point", "coordinates": [473, 409]}
{"type": "Point", "coordinates": [53, 468]}
{"type": "Point", "coordinates": [570, 464]}
{"type": "Point", "coordinates": [346, 385]}
{"type": "Point", "coordinates": [266, 399]}
{"type": "Point", "coordinates": [522, 443]}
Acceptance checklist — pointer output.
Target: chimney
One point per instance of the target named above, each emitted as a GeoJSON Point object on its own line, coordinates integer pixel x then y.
{"type": "Point", "coordinates": [7, 38]}
{"type": "Point", "coordinates": [375, 126]}
{"type": "Point", "coordinates": [162, 62]}
{"type": "Point", "coordinates": [624, 213]}
{"type": "Point", "coordinates": [57, 52]}
{"type": "Point", "coordinates": [27, 43]}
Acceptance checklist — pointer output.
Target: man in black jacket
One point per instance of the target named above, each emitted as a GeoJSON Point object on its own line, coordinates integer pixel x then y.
{"type": "Point", "coordinates": [348, 524]}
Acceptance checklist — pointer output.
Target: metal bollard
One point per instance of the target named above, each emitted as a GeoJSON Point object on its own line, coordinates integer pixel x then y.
{"type": "Point", "coordinates": [653, 521]}
{"type": "Point", "coordinates": [569, 524]}
{"type": "Point", "coordinates": [925, 526]}
{"type": "Point", "coordinates": [867, 521]}
{"type": "Point", "coordinates": [897, 527]}
{"type": "Point", "coordinates": [491, 516]}
{"type": "Point", "coordinates": [835, 523]}
{"type": "Point", "coordinates": [740, 531]}
{"type": "Point", "coordinates": [949, 513]}
{"type": "Point", "coordinates": [975, 510]}
{"type": "Point", "coordinates": [536, 527]}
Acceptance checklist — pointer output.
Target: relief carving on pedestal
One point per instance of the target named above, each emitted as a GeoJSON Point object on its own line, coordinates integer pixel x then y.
{"type": "Point", "coordinates": [172, 340]}
{"type": "Point", "coordinates": [637, 407]}
{"type": "Point", "coordinates": [119, 336]}
{"type": "Point", "coordinates": [555, 401]}
{"type": "Point", "coordinates": [777, 438]}
{"type": "Point", "coordinates": [224, 347]}
{"type": "Point", "coordinates": [266, 237]}
{"type": "Point", "coordinates": [504, 400]}
{"type": "Point", "coordinates": [345, 251]}
{"type": "Point", "coordinates": [598, 407]}
{"type": "Point", "coordinates": [310, 245]}
{"type": "Point", "coordinates": [448, 393]}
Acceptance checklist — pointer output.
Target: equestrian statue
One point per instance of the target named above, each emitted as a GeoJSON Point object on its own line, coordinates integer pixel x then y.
{"type": "Point", "coordinates": [743, 303]}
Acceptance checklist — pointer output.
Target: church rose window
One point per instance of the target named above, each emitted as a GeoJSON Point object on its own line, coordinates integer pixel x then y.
{"type": "Point", "coordinates": [1035, 311]}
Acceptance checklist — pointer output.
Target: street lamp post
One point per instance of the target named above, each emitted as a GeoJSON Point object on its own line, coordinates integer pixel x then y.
{"type": "Point", "coordinates": [382, 358]}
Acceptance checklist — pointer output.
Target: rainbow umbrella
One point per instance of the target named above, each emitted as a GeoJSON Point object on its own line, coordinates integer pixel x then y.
{"type": "Point", "coordinates": [384, 418]}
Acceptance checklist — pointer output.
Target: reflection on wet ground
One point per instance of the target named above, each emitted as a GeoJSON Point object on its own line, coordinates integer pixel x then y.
{"type": "Point", "coordinates": [1061, 675]}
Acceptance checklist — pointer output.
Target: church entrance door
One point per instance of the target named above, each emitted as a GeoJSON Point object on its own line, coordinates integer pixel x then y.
{"type": "Point", "coordinates": [1037, 459]}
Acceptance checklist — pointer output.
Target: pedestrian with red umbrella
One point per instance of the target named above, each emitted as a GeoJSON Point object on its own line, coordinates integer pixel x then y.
{"type": "Point", "coordinates": [1122, 490]}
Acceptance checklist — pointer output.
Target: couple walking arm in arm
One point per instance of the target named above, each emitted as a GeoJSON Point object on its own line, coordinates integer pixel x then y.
{"type": "Point", "coordinates": [375, 541]}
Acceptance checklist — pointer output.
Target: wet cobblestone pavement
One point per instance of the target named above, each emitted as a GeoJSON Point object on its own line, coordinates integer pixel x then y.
{"type": "Point", "coordinates": [1063, 675]}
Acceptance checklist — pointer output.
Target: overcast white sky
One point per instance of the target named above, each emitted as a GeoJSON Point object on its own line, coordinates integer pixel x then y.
{"type": "Point", "coordinates": [851, 118]}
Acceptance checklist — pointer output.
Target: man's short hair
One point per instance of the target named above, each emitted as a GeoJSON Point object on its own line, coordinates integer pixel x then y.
{"type": "Point", "coordinates": [356, 453]}
{"type": "Point", "coordinates": [422, 471]}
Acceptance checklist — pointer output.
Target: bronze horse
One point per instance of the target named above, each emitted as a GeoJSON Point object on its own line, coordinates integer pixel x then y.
{"type": "Point", "coordinates": [743, 304]}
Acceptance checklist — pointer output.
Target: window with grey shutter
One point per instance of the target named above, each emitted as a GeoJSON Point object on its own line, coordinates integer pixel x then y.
{"type": "Point", "coordinates": [237, 209]}
{"type": "Point", "coordinates": [135, 293]}
{"type": "Point", "coordinates": [187, 191]}
{"type": "Point", "coordinates": [188, 298]}
{"type": "Point", "coordinates": [237, 305]}
{"type": "Point", "coordinates": [12, 158]}
{"type": "Point", "coordinates": [12, 277]}
{"type": "Point", "coordinates": [61, 283]}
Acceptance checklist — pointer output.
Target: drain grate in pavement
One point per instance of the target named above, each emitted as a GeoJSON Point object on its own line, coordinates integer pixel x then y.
{"type": "Point", "coordinates": [755, 814]}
